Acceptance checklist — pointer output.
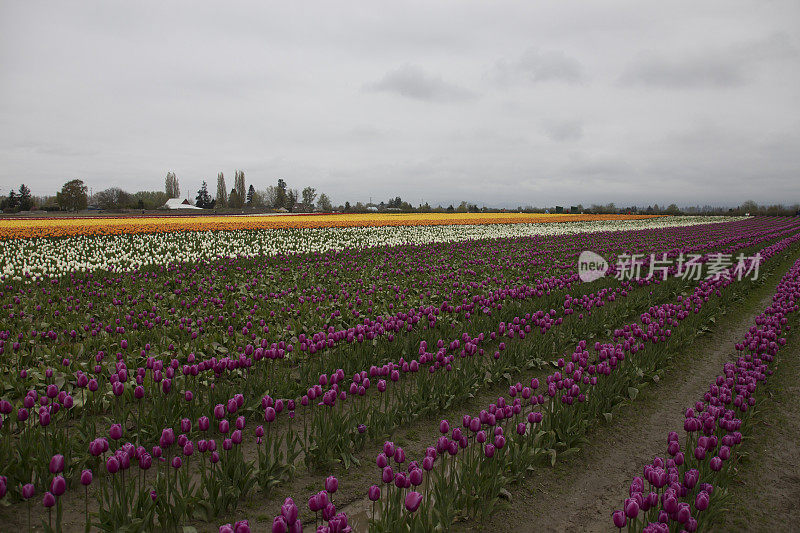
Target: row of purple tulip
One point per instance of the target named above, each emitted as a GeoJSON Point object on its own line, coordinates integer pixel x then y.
{"type": "Point", "coordinates": [58, 402]}
{"type": "Point", "coordinates": [677, 492]}
{"type": "Point", "coordinates": [486, 469]}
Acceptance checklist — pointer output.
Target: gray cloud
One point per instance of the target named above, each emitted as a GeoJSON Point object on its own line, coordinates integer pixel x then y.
{"type": "Point", "coordinates": [564, 130]}
{"type": "Point", "coordinates": [539, 66]}
{"type": "Point", "coordinates": [654, 70]}
{"type": "Point", "coordinates": [414, 82]}
{"type": "Point", "coordinates": [364, 100]}
{"type": "Point", "coordinates": [719, 68]}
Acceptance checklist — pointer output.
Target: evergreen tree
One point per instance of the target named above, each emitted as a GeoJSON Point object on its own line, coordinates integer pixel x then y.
{"type": "Point", "coordinates": [250, 193]}
{"type": "Point", "coordinates": [13, 200]}
{"type": "Point", "coordinates": [203, 199]}
{"type": "Point", "coordinates": [25, 201]}
{"type": "Point", "coordinates": [280, 199]}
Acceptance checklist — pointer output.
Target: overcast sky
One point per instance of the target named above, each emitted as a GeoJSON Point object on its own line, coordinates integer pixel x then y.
{"type": "Point", "coordinates": [499, 103]}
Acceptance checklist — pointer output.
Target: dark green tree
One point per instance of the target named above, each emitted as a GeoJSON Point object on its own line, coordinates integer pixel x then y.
{"type": "Point", "coordinates": [280, 198]}
{"type": "Point", "coordinates": [25, 200]}
{"type": "Point", "coordinates": [12, 202]}
{"type": "Point", "coordinates": [203, 199]}
{"type": "Point", "coordinates": [73, 196]}
{"type": "Point", "coordinates": [234, 200]}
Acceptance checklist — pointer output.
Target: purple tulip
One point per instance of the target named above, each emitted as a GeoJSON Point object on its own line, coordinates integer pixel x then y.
{"type": "Point", "coordinates": [289, 511]}
{"type": "Point", "coordinates": [413, 500]}
{"type": "Point", "coordinates": [167, 438]}
{"type": "Point", "coordinates": [58, 486]}
{"type": "Point", "coordinates": [28, 491]}
{"type": "Point", "coordinates": [278, 525]}
{"type": "Point", "coordinates": [387, 475]}
{"type": "Point", "coordinates": [374, 493]}
{"type": "Point", "coordinates": [57, 464]}
{"type": "Point", "coordinates": [631, 508]}
{"type": "Point", "coordinates": [49, 500]}
{"type": "Point", "coordinates": [619, 519]}
{"type": "Point", "coordinates": [701, 501]}
{"type": "Point", "coordinates": [388, 449]}
{"type": "Point", "coordinates": [331, 484]}
{"type": "Point", "coordinates": [684, 513]}
{"type": "Point", "coordinates": [86, 477]}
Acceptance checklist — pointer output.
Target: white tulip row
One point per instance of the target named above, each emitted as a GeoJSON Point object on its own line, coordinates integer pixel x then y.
{"type": "Point", "coordinates": [50, 257]}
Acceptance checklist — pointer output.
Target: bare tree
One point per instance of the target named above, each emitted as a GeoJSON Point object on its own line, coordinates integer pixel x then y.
{"type": "Point", "coordinates": [291, 199]}
{"type": "Point", "coordinates": [269, 195]}
{"type": "Point", "coordinates": [114, 198]}
{"type": "Point", "coordinates": [171, 186]}
{"type": "Point", "coordinates": [324, 203]}
{"type": "Point", "coordinates": [238, 183]}
{"type": "Point", "coordinates": [222, 194]}
{"type": "Point", "coordinates": [309, 195]}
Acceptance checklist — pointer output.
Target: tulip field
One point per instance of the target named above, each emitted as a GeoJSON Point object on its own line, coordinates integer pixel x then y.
{"type": "Point", "coordinates": [270, 374]}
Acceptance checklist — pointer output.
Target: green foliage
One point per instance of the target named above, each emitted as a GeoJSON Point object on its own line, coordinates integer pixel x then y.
{"type": "Point", "coordinates": [73, 196]}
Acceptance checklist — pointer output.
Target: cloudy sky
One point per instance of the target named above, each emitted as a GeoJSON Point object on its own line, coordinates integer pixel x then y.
{"type": "Point", "coordinates": [499, 103]}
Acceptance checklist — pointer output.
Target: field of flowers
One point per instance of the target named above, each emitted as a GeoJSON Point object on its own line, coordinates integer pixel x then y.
{"type": "Point", "coordinates": [127, 225]}
{"type": "Point", "coordinates": [34, 257]}
{"type": "Point", "coordinates": [188, 377]}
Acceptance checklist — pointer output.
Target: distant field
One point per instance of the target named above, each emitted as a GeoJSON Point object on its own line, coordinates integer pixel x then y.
{"type": "Point", "coordinates": [61, 227]}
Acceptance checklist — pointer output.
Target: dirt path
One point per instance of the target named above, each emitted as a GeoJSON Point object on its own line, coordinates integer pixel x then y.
{"type": "Point", "coordinates": [581, 493]}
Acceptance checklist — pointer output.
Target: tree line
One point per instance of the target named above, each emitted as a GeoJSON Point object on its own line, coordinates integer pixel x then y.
{"type": "Point", "coordinates": [74, 196]}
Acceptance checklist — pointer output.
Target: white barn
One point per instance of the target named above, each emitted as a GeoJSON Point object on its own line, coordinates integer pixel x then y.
{"type": "Point", "coordinates": [177, 203]}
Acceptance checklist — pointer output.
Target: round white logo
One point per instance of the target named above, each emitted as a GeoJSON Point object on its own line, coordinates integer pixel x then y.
{"type": "Point", "coordinates": [591, 266]}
